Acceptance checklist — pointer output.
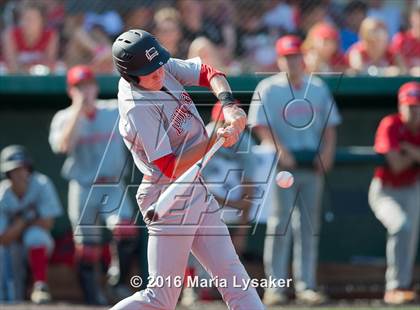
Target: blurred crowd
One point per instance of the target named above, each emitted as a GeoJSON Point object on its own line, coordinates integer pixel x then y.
{"type": "Point", "coordinates": [374, 37]}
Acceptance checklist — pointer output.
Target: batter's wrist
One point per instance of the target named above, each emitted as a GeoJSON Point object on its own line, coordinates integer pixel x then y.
{"type": "Point", "coordinates": [226, 98]}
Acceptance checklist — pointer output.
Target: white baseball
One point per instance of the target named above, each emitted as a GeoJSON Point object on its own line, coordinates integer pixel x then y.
{"type": "Point", "coordinates": [284, 179]}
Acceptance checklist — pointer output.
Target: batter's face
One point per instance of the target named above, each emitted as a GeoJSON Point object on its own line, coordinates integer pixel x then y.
{"type": "Point", "coordinates": [153, 81]}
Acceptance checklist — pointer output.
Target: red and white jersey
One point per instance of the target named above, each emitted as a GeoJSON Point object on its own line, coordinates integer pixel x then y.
{"type": "Point", "coordinates": [361, 48]}
{"type": "Point", "coordinates": [36, 53]}
{"type": "Point", "coordinates": [389, 135]}
{"type": "Point", "coordinates": [408, 46]}
{"type": "Point", "coordinates": [154, 124]}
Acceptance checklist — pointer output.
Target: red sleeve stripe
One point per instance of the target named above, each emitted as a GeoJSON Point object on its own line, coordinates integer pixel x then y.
{"type": "Point", "coordinates": [207, 73]}
{"type": "Point", "coordinates": [166, 164]}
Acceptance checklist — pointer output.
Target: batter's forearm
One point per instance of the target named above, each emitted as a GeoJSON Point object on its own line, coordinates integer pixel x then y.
{"type": "Point", "coordinates": [219, 84]}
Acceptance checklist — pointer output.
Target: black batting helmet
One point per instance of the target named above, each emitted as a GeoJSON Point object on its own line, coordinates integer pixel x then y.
{"type": "Point", "coordinates": [137, 53]}
{"type": "Point", "coordinates": [14, 156]}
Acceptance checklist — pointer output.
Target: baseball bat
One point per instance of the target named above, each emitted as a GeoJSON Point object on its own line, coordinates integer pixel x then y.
{"type": "Point", "coordinates": [166, 199]}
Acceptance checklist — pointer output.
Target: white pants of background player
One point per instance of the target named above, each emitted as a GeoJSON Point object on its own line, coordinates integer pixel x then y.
{"type": "Point", "coordinates": [195, 228]}
{"type": "Point", "coordinates": [296, 214]}
{"type": "Point", "coordinates": [13, 260]}
{"type": "Point", "coordinates": [398, 209]}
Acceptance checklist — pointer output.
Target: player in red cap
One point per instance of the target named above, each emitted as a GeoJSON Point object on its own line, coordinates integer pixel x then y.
{"type": "Point", "coordinates": [394, 193]}
{"type": "Point", "coordinates": [96, 156]}
{"type": "Point", "coordinates": [295, 111]}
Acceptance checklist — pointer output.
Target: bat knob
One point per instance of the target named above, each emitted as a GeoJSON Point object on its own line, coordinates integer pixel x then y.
{"type": "Point", "coordinates": [151, 216]}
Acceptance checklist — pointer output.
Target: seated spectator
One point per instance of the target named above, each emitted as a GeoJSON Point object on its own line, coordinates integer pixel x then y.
{"type": "Point", "coordinates": [395, 190]}
{"type": "Point", "coordinates": [407, 44]}
{"type": "Point", "coordinates": [321, 50]}
{"type": "Point", "coordinates": [255, 45]}
{"type": "Point", "coordinates": [221, 13]}
{"type": "Point", "coordinates": [354, 13]}
{"type": "Point", "coordinates": [28, 206]}
{"type": "Point", "coordinates": [311, 12]}
{"type": "Point", "coordinates": [372, 55]}
{"type": "Point", "coordinates": [30, 43]}
{"type": "Point", "coordinates": [138, 14]}
{"type": "Point", "coordinates": [196, 24]}
{"type": "Point", "coordinates": [90, 41]}
{"type": "Point", "coordinates": [168, 30]}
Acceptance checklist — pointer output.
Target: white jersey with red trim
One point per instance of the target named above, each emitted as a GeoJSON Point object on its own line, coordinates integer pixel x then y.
{"type": "Point", "coordinates": [158, 123]}
{"type": "Point", "coordinates": [98, 151]}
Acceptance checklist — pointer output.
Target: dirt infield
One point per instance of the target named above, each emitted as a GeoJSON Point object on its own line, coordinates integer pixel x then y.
{"type": "Point", "coordinates": [345, 305]}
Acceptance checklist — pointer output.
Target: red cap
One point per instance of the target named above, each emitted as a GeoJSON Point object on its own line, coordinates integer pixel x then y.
{"type": "Point", "coordinates": [409, 93]}
{"type": "Point", "coordinates": [79, 74]}
{"type": "Point", "coordinates": [288, 45]}
{"type": "Point", "coordinates": [325, 31]}
{"type": "Point", "coordinates": [217, 111]}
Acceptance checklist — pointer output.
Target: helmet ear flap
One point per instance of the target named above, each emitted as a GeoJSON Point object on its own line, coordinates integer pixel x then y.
{"type": "Point", "coordinates": [130, 78]}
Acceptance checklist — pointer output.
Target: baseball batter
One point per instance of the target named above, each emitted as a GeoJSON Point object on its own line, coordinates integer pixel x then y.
{"type": "Point", "coordinates": [165, 135]}
{"type": "Point", "coordinates": [96, 156]}
{"type": "Point", "coordinates": [28, 206]}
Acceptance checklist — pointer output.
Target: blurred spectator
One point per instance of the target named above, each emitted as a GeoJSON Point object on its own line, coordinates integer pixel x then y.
{"type": "Point", "coordinates": [310, 13]}
{"type": "Point", "coordinates": [30, 43]}
{"type": "Point", "coordinates": [138, 14]}
{"type": "Point", "coordinates": [196, 24]}
{"type": "Point", "coordinates": [168, 30]}
{"type": "Point", "coordinates": [89, 40]}
{"type": "Point", "coordinates": [283, 94]}
{"type": "Point", "coordinates": [387, 12]}
{"type": "Point", "coordinates": [28, 206]}
{"type": "Point", "coordinates": [207, 51]}
{"type": "Point", "coordinates": [281, 16]}
{"type": "Point", "coordinates": [407, 44]}
{"type": "Point", "coordinates": [372, 54]}
{"type": "Point", "coordinates": [322, 50]}
{"type": "Point", "coordinates": [354, 13]}
{"type": "Point", "coordinates": [222, 14]}
{"type": "Point", "coordinates": [394, 192]}
{"type": "Point", "coordinates": [255, 46]}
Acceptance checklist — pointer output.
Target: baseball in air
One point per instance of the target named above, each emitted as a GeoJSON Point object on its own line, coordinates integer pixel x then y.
{"type": "Point", "coordinates": [284, 179]}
